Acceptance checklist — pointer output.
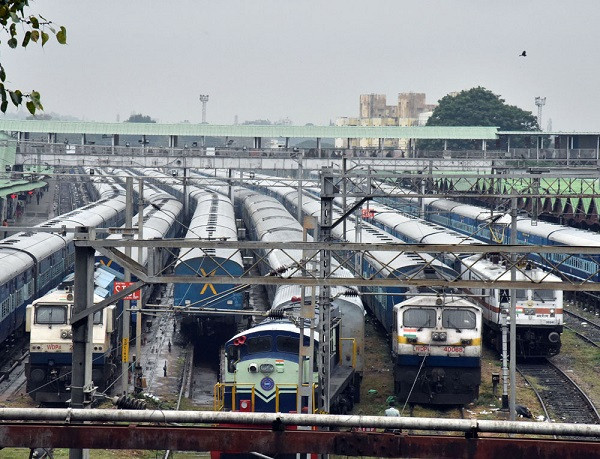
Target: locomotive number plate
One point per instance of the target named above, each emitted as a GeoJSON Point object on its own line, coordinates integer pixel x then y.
{"type": "Point", "coordinates": [420, 348]}
{"type": "Point", "coordinates": [454, 349]}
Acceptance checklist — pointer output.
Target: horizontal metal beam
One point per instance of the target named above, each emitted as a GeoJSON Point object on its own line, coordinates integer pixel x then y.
{"type": "Point", "coordinates": [339, 246]}
{"type": "Point", "coordinates": [273, 442]}
{"type": "Point", "coordinates": [107, 302]}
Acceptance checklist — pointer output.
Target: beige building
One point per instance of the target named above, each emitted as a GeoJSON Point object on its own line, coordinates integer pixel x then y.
{"type": "Point", "coordinates": [411, 110]}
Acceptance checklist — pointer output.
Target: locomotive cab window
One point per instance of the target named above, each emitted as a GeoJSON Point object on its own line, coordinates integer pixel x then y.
{"type": "Point", "coordinates": [521, 295]}
{"type": "Point", "coordinates": [287, 344]}
{"type": "Point", "coordinates": [259, 344]}
{"type": "Point", "coordinates": [459, 319]}
{"type": "Point", "coordinates": [419, 318]}
{"type": "Point", "coordinates": [51, 315]}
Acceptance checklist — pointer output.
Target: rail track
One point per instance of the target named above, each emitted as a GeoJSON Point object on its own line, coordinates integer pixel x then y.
{"type": "Point", "coordinates": [12, 374]}
{"type": "Point", "coordinates": [561, 398]}
{"type": "Point", "coordinates": [587, 330]}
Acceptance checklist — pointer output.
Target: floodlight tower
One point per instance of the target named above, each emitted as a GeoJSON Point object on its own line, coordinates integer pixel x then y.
{"type": "Point", "coordinates": [204, 100]}
{"type": "Point", "coordinates": [540, 102]}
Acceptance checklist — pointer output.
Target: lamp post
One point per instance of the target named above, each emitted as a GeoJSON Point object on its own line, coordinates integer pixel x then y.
{"type": "Point", "coordinates": [204, 100]}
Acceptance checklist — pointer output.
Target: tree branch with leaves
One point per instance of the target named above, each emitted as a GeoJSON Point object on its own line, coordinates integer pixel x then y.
{"type": "Point", "coordinates": [18, 25]}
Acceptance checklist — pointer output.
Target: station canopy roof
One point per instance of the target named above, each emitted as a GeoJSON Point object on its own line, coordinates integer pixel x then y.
{"type": "Point", "coordinates": [243, 130]}
{"type": "Point", "coordinates": [8, 187]}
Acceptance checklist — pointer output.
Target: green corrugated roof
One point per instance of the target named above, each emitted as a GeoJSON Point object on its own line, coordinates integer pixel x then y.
{"type": "Point", "coordinates": [17, 186]}
{"type": "Point", "coordinates": [187, 129]}
{"type": "Point", "coordinates": [545, 133]}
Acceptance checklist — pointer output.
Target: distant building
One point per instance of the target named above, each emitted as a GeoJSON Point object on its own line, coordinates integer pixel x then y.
{"type": "Point", "coordinates": [410, 110]}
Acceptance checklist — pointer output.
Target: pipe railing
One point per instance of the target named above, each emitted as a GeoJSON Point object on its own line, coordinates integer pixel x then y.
{"type": "Point", "coordinates": [211, 417]}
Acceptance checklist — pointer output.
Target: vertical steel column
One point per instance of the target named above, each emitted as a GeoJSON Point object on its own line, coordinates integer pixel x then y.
{"type": "Point", "coordinates": [83, 298]}
{"type": "Point", "coordinates": [138, 325]}
{"type": "Point", "coordinates": [344, 191]}
{"type": "Point", "coordinates": [513, 310]}
{"type": "Point", "coordinates": [307, 316]}
{"type": "Point", "coordinates": [327, 196]}
{"type": "Point", "coordinates": [300, 180]}
{"type": "Point", "coordinates": [126, 303]}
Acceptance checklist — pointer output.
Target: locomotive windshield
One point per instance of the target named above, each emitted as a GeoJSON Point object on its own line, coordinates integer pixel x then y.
{"type": "Point", "coordinates": [51, 314]}
{"type": "Point", "coordinates": [419, 318]}
{"type": "Point", "coordinates": [258, 344]}
{"type": "Point", "coordinates": [543, 295]}
{"type": "Point", "coordinates": [458, 319]}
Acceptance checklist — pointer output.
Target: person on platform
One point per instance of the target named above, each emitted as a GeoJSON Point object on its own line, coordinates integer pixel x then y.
{"type": "Point", "coordinates": [392, 410]}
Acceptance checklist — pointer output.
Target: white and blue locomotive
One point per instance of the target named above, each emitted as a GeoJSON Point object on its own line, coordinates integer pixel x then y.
{"type": "Point", "coordinates": [48, 370]}
{"type": "Point", "coordinates": [261, 364]}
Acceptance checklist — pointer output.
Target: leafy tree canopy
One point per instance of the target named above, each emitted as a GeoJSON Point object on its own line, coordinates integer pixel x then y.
{"type": "Point", "coordinates": [20, 26]}
{"type": "Point", "coordinates": [139, 118]}
{"type": "Point", "coordinates": [478, 107]}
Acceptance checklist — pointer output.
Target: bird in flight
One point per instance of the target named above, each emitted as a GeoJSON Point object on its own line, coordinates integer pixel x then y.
{"type": "Point", "coordinates": [523, 54]}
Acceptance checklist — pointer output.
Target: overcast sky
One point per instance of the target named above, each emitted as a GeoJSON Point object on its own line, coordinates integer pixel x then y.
{"type": "Point", "coordinates": [309, 60]}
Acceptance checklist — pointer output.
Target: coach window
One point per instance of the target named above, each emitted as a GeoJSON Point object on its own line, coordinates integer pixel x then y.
{"type": "Point", "coordinates": [419, 318]}
{"type": "Point", "coordinates": [458, 319]}
{"type": "Point", "coordinates": [51, 315]}
{"type": "Point", "coordinates": [259, 344]}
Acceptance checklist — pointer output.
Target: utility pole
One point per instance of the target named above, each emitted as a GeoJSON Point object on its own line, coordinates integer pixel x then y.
{"type": "Point", "coordinates": [204, 100]}
{"type": "Point", "coordinates": [82, 329]}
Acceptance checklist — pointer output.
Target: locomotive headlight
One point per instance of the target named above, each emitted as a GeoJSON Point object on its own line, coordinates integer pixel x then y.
{"type": "Point", "coordinates": [466, 342]}
{"type": "Point", "coordinates": [439, 336]}
{"type": "Point", "coordinates": [267, 368]}
{"type": "Point", "coordinates": [253, 368]}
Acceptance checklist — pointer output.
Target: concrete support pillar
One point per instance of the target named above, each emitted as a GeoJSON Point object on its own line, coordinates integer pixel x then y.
{"type": "Point", "coordinates": [508, 144]}
{"type": "Point", "coordinates": [287, 143]}
{"type": "Point", "coordinates": [318, 147]}
{"type": "Point", "coordinates": [83, 139]}
{"type": "Point", "coordinates": [51, 137]}
{"type": "Point", "coordinates": [173, 141]}
{"type": "Point", "coordinates": [114, 143]}
{"type": "Point", "coordinates": [445, 144]}
{"type": "Point", "coordinates": [257, 142]}
{"type": "Point", "coordinates": [483, 145]}
{"type": "Point", "coordinates": [381, 143]}
{"type": "Point", "coordinates": [598, 148]}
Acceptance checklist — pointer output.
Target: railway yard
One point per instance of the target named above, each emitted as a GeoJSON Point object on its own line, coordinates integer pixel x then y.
{"type": "Point", "coordinates": [230, 347]}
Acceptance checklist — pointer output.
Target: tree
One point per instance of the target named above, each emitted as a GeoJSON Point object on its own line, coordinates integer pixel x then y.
{"type": "Point", "coordinates": [139, 118]}
{"type": "Point", "coordinates": [17, 24]}
{"type": "Point", "coordinates": [477, 107]}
